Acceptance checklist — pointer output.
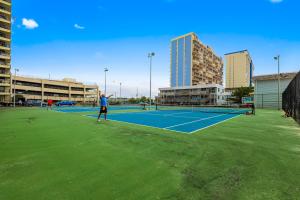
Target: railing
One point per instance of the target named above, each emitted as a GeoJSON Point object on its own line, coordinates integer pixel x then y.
{"type": "Point", "coordinates": [4, 73]}
{"type": "Point", "coordinates": [3, 17]}
{"type": "Point", "coordinates": [2, 63]}
{"type": "Point", "coordinates": [3, 8]}
{"type": "Point", "coordinates": [4, 54]}
{"type": "Point", "coordinates": [4, 45]}
{"type": "Point", "coordinates": [4, 82]}
{"type": "Point", "coordinates": [5, 27]}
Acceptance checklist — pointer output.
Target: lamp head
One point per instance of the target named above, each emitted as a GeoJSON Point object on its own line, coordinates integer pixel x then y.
{"type": "Point", "coordinates": [151, 54]}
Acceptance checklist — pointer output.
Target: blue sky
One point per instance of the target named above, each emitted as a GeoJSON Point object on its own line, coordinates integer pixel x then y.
{"type": "Point", "coordinates": [78, 40]}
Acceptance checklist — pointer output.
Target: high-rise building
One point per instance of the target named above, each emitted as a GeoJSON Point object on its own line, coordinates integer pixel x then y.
{"type": "Point", "coordinates": [193, 63]}
{"type": "Point", "coordinates": [5, 51]}
{"type": "Point", "coordinates": [239, 70]}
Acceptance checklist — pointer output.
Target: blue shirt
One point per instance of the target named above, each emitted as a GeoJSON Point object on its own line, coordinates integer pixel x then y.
{"type": "Point", "coordinates": [103, 101]}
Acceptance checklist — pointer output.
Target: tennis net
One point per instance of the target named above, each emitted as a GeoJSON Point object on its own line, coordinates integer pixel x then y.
{"type": "Point", "coordinates": [206, 109]}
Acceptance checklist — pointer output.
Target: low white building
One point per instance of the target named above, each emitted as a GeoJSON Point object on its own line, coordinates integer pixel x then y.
{"type": "Point", "coordinates": [212, 94]}
{"type": "Point", "coordinates": [266, 89]}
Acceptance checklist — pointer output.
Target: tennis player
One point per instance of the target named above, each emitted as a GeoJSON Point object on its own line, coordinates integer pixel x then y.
{"type": "Point", "coordinates": [253, 108]}
{"type": "Point", "coordinates": [49, 102]}
{"type": "Point", "coordinates": [103, 106]}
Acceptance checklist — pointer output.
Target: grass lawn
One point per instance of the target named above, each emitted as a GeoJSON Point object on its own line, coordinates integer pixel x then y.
{"type": "Point", "coordinates": [50, 155]}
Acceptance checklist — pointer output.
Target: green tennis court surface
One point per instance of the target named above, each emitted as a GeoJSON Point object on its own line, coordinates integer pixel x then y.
{"type": "Point", "coordinates": [52, 155]}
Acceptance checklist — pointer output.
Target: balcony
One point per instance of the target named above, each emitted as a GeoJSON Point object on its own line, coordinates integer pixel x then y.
{"type": "Point", "coordinates": [6, 2]}
{"type": "Point", "coordinates": [4, 10]}
{"type": "Point", "coordinates": [4, 75]}
{"type": "Point", "coordinates": [5, 29]}
{"type": "Point", "coordinates": [4, 19]}
{"type": "Point", "coordinates": [4, 39]}
{"type": "Point", "coordinates": [4, 47]}
{"type": "Point", "coordinates": [4, 93]}
{"type": "Point", "coordinates": [4, 83]}
{"type": "Point", "coordinates": [4, 66]}
{"type": "Point", "coordinates": [4, 56]}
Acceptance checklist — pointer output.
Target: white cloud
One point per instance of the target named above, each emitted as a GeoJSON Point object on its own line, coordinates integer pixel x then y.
{"type": "Point", "coordinates": [29, 23]}
{"type": "Point", "coordinates": [276, 1]}
{"type": "Point", "coordinates": [79, 27]}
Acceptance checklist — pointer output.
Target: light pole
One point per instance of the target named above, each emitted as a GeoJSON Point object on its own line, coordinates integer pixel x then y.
{"type": "Point", "coordinates": [120, 92]}
{"type": "Point", "coordinates": [105, 70]}
{"type": "Point", "coordinates": [278, 79]}
{"type": "Point", "coordinates": [150, 56]}
{"type": "Point", "coordinates": [16, 70]}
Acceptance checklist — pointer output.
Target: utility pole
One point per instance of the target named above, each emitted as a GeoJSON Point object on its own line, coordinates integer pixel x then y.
{"type": "Point", "coordinates": [120, 91]}
{"type": "Point", "coordinates": [16, 70]}
{"type": "Point", "coordinates": [278, 79]}
{"type": "Point", "coordinates": [105, 70]}
{"type": "Point", "coordinates": [150, 56]}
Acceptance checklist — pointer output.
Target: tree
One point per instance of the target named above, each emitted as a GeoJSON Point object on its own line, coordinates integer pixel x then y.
{"type": "Point", "coordinates": [132, 101]}
{"type": "Point", "coordinates": [144, 99]}
{"type": "Point", "coordinates": [241, 92]}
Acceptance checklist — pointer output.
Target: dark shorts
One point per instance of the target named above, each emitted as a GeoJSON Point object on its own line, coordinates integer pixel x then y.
{"type": "Point", "coordinates": [103, 109]}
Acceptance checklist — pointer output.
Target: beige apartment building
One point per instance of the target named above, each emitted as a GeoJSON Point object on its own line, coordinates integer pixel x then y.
{"type": "Point", "coordinates": [194, 63]}
{"type": "Point", "coordinates": [28, 88]}
{"type": "Point", "coordinates": [5, 51]}
{"type": "Point", "coordinates": [239, 70]}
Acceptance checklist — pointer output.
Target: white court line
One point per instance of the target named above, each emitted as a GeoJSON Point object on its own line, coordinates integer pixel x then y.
{"type": "Point", "coordinates": [140, 125]}
{"type": "Point", "coordinates": [199, 120]}
{"type": "Point", "coordinates": [214, 124]}
{"type": "Point", "coordinates": [177, 113]}
{"type": "Point", "coordinates": [165, 115]}
{"type": "Point", "coordinates": [166, 129]}
{"type": "Point", "coordinates": [170, 129]}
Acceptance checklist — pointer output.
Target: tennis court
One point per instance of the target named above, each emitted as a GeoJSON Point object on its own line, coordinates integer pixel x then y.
{"type": "Point", "coordinates": [184, 120]}
{"type": "Point", "coordinates": [79, 109]}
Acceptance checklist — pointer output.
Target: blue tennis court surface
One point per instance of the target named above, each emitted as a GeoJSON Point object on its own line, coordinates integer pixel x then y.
{"type": "Point", "coordinates": [184, 122]}
{"type": "Point", "coordinates": [78, 109]}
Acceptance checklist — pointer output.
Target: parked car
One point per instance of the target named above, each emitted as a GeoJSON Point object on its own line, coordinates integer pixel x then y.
{"type": "Point", "coordinates": [31, 103]}
{"type": "Point", "coordinates": [65, 103]}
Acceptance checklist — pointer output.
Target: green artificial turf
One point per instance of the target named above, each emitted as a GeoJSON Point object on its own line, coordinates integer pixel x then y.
{"type": "Point", "coordinates": [51, 155]}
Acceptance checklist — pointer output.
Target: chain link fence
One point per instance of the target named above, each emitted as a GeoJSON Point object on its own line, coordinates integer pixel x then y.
{"type": "Point", "coordinates": [291, 99]}
{"type": "Point", "coordinates": [268, 100]}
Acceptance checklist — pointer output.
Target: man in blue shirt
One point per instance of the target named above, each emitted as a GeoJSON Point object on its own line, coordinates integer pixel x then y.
{"type": "Point", "coordinates": [103, 106]}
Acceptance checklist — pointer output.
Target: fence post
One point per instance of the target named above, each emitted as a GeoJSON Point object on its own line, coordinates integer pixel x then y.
{"type": "Point", "coordinates": [262, 101]}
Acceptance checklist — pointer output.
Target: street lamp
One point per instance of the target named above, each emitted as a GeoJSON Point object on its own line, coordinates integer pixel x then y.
{"type": "Point", "coordinates": [150, 56]}
{"type": "Point", "coordinates": [105, 70]}
{"type": "Point", "coordinates": [278, 78]}
{"type": "Point", "coordinates": [16, 70]}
